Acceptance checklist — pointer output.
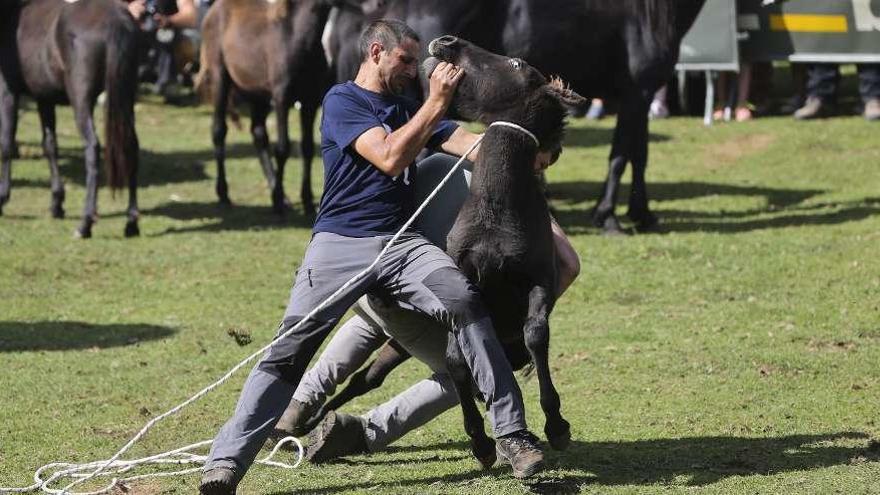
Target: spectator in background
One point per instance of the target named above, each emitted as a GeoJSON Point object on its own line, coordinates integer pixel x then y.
{"type": "Point", "coordinates": [171, 39]}
{"type": "Point", "coordinates": [822, 82]}
{"type": "Point", "coordinates": [732, 102]}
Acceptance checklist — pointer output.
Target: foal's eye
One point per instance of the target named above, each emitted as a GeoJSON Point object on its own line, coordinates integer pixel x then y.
{"type": "Point", "coordinates": [516, 63]}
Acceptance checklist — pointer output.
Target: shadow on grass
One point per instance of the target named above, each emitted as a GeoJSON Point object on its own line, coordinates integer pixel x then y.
{"type": "Point", "coordinates": [694, 461]}
{"type": "Point", "coordinates": [584, 191]}
{"type": "Point", "coordinates": [219, 218]}
{"type": "Point", "coordinates": [588, 137]}
{"type": "Point", "coordinates": [784, 208]}
{"type": "Point", "coordinates": [18, 336]}
{"type": "Point", "coordinates": [156, 168]}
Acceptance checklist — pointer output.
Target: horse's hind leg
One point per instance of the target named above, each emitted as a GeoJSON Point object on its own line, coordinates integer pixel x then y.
{"type": "Point", "coordinates": [259, 112]}
{"type": "Point", "coordinates": [220, 92]}
{"type": "Point", "coordinates": [638, 197]}
{"type": "Point", "coordinates": [307, 145]}
{"type": "Point", "coordinates": [603, 213]}
{"type": "Point", "coordinates": [537, 337]}
{"type": "Point", "coordinates": [282, 150]}
{"type": "Point", "coordinates": [50, 149]}
{"type": "Point", "coordinates": [8, 123]}
{"type": "Point", "coordinates": [86, 124]}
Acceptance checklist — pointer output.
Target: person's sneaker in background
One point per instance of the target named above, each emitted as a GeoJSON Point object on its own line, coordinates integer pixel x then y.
{"type": "Point", "coordinates": [814, 108]}
{"type": "Point", "coordinates": [872, 109]}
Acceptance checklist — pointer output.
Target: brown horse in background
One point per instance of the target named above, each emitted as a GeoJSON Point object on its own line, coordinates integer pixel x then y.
{"type": "Point", "coordinates": [59, 52]}
{"type": "Point", "coordinates": [270, 54]}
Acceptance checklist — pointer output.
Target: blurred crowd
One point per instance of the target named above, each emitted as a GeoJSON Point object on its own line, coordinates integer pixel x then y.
{"type": "Point", "coordinates": [172, 41]}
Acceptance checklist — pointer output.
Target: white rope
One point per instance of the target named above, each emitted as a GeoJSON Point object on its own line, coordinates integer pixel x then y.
{"type": "Point", "coordinates": [57, 471]}
{"type": "Point", "coordinates": [520, 128]}
{"type": "Point", "coordinates": [116, 466]}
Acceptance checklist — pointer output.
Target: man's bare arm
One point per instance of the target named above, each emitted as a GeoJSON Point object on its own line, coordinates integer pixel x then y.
{"type": "Point", "coordinates": [459, 142]}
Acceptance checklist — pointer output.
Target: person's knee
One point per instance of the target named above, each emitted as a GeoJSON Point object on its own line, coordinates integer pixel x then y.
{"type": "Point", "coordinates": [459, 297]}
{"type": "Point", "coordinates": [291, 351]}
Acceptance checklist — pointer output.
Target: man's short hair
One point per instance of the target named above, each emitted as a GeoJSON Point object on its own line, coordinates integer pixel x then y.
{"type": "Point", "coordinates": [388, 32]}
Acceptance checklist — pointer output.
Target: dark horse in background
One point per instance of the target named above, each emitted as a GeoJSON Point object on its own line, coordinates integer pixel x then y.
{"type": "Point", "coordinates": [59, 52]}
{"type": "Point", "coordinates": [616, 49]}
{"type": "Point", "coordinates": [268, 54]}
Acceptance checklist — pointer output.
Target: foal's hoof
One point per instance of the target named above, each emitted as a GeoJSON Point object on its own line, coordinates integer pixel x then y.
{"type": "Point", "coordinates": [132, 229]}
{"type": "Point", "coordinates": [558, 437]}
{"type": "Point", "coordinates": [484, 452]}
{"type": "Point", "coordinates": [487, 461]}
{"type": "Point", "coordinates": [57, 211]}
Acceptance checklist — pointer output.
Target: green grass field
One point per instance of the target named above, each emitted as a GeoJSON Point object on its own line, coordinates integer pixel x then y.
{"type": "Point", "coordinates": [733, 351]}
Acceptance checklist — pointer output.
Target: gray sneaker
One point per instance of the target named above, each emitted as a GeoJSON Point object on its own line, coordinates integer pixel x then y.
{"type": "Point", "coordinates": [814, 108]}
{"type": "Point", "coordinates": [218, 481]}
{"type": "Point", "coordinates": [872, 109]}
{"type": "Point", "coordinates": [521, 450]}
{"type": "Point", "coordinates": [338, 435]}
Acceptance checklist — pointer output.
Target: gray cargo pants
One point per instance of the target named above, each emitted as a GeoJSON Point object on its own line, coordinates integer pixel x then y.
{"type": "Point", "coordinates": [414, 272]}
{"type": "Point", "coordinates": [353, 344]}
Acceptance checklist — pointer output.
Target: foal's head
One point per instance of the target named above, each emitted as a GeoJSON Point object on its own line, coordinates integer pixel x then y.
{"type": "Point", "coordinates": [496, 87]}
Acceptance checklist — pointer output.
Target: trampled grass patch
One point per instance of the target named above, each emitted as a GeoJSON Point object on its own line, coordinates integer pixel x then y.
{"type": "Point", "coordinates": [734, 350]}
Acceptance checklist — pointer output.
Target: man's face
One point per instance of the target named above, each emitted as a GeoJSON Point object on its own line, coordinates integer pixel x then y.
{"type": "Point", "coordinates": [400, 66]}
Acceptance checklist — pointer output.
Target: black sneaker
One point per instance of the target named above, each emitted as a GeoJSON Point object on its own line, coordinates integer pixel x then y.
{"type": "Point", "coordinates": [338, 435]}
{"type": "Point", "coordinates": [218, 481]}
{"type": "Point", "coordinates": [521, 450]}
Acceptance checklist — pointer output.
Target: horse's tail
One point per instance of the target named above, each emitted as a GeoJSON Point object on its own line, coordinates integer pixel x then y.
{"type": "Point", "coordinates": [202, 81]}
{"type": "Point", "coordinates": [121, 149]}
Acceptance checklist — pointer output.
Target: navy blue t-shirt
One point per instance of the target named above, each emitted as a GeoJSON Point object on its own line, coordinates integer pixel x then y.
{"type": "Point", "coordinates": [360, 200]}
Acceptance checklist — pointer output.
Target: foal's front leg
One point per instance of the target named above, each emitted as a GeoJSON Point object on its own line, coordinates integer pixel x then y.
{"type": "Point", "coordinates": [482, 446]}
{"type": "Point", "coordinates": [537, 336]}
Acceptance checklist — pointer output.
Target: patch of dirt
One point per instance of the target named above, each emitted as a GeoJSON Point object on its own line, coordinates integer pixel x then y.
{"type": "Point", "coordinates": [736, 148]}
{"type": "Point", "coordinates": [817, 345]}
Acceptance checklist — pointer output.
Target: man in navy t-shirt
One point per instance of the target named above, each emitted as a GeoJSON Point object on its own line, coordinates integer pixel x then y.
{"type": "Point", "coordinates": [370, 139]}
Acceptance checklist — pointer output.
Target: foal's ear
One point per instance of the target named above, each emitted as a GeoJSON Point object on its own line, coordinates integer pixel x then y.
{"type": "Point", "coordinates": [560, 90]}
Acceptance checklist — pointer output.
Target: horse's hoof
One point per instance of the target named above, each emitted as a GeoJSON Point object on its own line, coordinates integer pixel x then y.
{"type": "Point", "coordinates": [82, 233]}
{"type": "Point", "coordinates": [561, 439]}
{"type": "Point", "coordinates": [484, 453]}
{"type": "Point", "coordinates": [486, 462]}
{"type": "Point", "coordinates": [132, 229]}
{"type": "Point", "coordinates": [612, 227]}
{"type": "Point", "coordinates": [57, 211]}
{"type": "Point", "coordinates": [648, 224]}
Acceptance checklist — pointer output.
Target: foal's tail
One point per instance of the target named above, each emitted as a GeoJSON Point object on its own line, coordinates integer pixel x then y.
{"type": "Point", "coordinates": [122, 150]}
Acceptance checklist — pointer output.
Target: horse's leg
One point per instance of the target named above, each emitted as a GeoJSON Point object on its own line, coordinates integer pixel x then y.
{"type": "Point", "coordinates": [259, 112]}
{"type": "Point", "coordinates": [282, 151]}
{"type": "Point", "coordinates": [537, 337]}
{"type": "Point", "coordinates": [482, 446]}
{"type": "Point", "coordinates": [131, 226]}
{"type": "Point", "coordinates": [82, 110]}
{"type": "Point", "coordinates": [221, 84]}
{"type": "Point", "coordinates": [8, 123]}
{"type": "Point", "coordinates": [307, 145]}
{"type": "Point", "coordinates": [368, 378]}
{"type": "Point", "coordinates": [603, 213]}
{"type": "Point", "coordinates": [50, 149]}
{"type": "Point", "coordinates": [638, 196]}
